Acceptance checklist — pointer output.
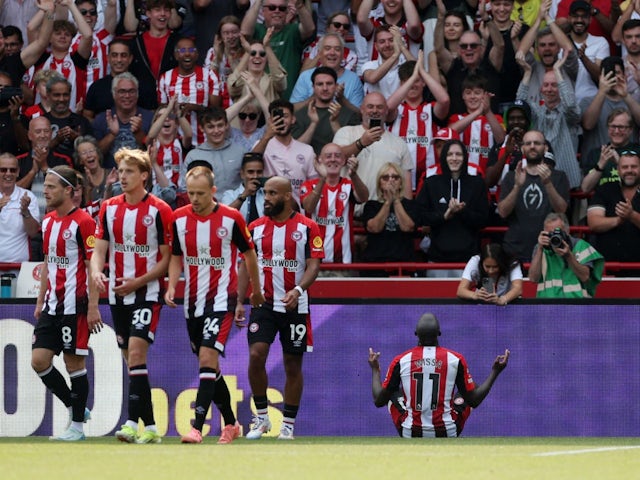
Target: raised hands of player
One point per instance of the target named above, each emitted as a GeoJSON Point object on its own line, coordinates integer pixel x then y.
{"type": "Point", "coordinates": [500, 363]}
{"type": "Point", "coordinates": [373, 359]}
{"type": "Point", "coordinates": [94, 319]}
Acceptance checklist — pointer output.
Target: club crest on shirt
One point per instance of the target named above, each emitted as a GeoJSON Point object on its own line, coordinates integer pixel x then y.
{"type": "Point", "coordinates": [424, 116]}
{"type": "Point", "coordinates": [253, 328]}
{"type": "Point", "coordinates": [300, 159]}
{"type": "Point", "coordinates": [222, 232]}
{"type": "Point", "coordinates": [296, 236]}
{"type": "Point", "coordinates": [343, 196]}
{"type": "Point", "coordinates": [67, 234]}
{"type": "Point", "coordinates": [147, 220]}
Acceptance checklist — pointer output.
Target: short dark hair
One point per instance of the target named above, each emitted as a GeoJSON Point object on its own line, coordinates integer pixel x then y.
{"type": "Point", "coordinates": [322, 70]}
{"type": "Point", "coordinates": [151, 4]}
{"type": "Point", "coordinates": [474, 81]}
{"type": "Point", "coordinates": [280, 103]}
{"type": "Point", "coordinates": [9, 30]}
{"type": "Point", "coordinates": [609, 63]}
{"type": "Point", "coordinates": [120, 41]}
{"type": "Point", "coordinates": [628, 25]}
{"type": "Point", "coordinates": [212, 114]}
{"type": "Point", "coordinates": [406, 70]}
{"type": "Point", "coordinates": [67, 173]}
{"type": "Point", "coordinates": [252, 157]}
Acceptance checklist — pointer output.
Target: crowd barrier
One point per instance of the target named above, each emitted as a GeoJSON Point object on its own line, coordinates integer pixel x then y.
{"type": "Point", "coordinates": [572, 372]}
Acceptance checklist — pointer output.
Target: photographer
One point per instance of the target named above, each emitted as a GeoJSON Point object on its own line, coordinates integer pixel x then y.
{"type": "Point", "coordinates": [564, 266]}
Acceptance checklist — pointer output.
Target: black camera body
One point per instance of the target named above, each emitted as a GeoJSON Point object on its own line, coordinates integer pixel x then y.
{"type": "Point", "coordinates": [7, 93]}
{"type": "Point", "coordinates": [556, 237]}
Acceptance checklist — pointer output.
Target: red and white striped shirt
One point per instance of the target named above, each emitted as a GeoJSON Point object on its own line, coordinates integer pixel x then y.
{"type": "Point", "coordinates": [135, 234]}
{"type": "Point", "coordinates": [98, 65]}
{"type": "Point", "coordinates": [73, 67]}
{"type": "Point", "coordinates": [209, 250]}
{"type": "Point", "coordinates": [416, 127]}
{"type": "Point", "coordinates": [334, 216]}
{"type": "Point", "coordinates": [67, 243]}
{"type": "Point", "coordinates": [427, 376]}
{"type": "Point", "coordinates": [283, 250]}
{"type": "Point", "coordinates": [194, 88]}
{"type": "Point", "coordinates": [170, 159]}
{"type": "Point", "coordinates": [478, 138]}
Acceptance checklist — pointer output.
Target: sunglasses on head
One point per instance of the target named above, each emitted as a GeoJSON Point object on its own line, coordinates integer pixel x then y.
{"type": "Point", "coordinates": [8, 169]}
{"type": "Point", "coordinates": [273, 8]}
{"type": "Point", "coordinates": [250, 116]}
{"type": "Point", "coordinates": [262, 53]}
{"type": "Point", "coordinates": [346, 26]}
{"type": "Point", "coordinates": [91, 12]}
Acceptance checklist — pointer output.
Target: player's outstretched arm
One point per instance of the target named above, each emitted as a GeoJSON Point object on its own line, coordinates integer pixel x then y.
{"type": "Point", "coordinates": [477, 395]}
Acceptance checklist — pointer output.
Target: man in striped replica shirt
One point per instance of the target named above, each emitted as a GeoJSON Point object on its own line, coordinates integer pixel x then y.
{"type": "Point", "coordinates": [419, 386]}
{"type": "Point", "coordinates": [135, 229]}
{"type": "Point", "coordinates": [290, 249]}
{"type": "Point", "coordinates": [66, 309]}
{"type": "Point", "coordinates": [206, 239]}
{"type": "Point", "coordinates": [330, 199]}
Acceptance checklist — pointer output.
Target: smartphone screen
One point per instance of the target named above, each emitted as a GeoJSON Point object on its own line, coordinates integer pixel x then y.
{"type": "Point", "coordinates": [375, 122]}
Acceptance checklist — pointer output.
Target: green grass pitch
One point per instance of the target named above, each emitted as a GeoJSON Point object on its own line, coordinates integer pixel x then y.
{"type": "Point", "coordinates": [333, 458]}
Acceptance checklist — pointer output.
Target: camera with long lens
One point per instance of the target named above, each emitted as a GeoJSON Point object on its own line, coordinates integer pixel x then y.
{"type": "Point", "coordinates": [556, 237]}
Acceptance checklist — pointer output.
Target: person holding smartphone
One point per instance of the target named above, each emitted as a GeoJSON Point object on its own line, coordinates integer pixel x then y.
{"type": "Point", "coordinates": [374, 146]}
{"type": "Point", "coordinates": [491, 277]}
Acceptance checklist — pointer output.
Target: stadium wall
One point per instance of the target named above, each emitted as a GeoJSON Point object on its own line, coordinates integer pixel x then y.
{"type": "Point", "coordinates": [573, 371]}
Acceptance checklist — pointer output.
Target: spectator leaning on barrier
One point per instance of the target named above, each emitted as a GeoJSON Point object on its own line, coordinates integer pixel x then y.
{"type": "Point", "coordinates": [491, 277]}
{"type": "Point", "coordinates": [564, 266]}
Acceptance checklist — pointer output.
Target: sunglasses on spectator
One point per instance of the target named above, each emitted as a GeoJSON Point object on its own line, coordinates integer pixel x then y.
{"type": "Point", "coordinates": [346, 26]}
{"type": "Point", "coordinates": [250, 116]}
{"type": "Point", "coordinates": [624, 152]}
{"type": "Point", "coordinates": [186, 50]}
{"type": "Point", "coordinates": [92, 12]}
{"type": "Point", "coordinates": [468, 46]}
{"type": "Point", "coordinates": [273, 8]}
{"type": "Point", "coordinates": [8, 169]}
{"type": "Point", "coordinates": [386, 178]}
{"type": "Point", "coordinates": [262, 53]}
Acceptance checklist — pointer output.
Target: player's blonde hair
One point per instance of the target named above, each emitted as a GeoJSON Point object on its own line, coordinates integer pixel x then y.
{"type": "Point", "coordinates": [134, 156]}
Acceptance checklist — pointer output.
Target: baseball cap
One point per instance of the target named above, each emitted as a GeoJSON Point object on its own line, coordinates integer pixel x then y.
{"type": "Point", "coordinates": [521, 105]}
{"type": "Point", "coordinates": [579, 5]}
{"type": "Point", "coordinates": [446, 134]}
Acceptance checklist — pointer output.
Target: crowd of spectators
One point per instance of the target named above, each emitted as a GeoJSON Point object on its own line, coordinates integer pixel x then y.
{"type": "Point", "coordinates": [440, 117]}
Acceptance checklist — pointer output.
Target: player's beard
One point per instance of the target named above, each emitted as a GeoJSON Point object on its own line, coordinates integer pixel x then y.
{"type": "Point", "coordinates": [274, 210]}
